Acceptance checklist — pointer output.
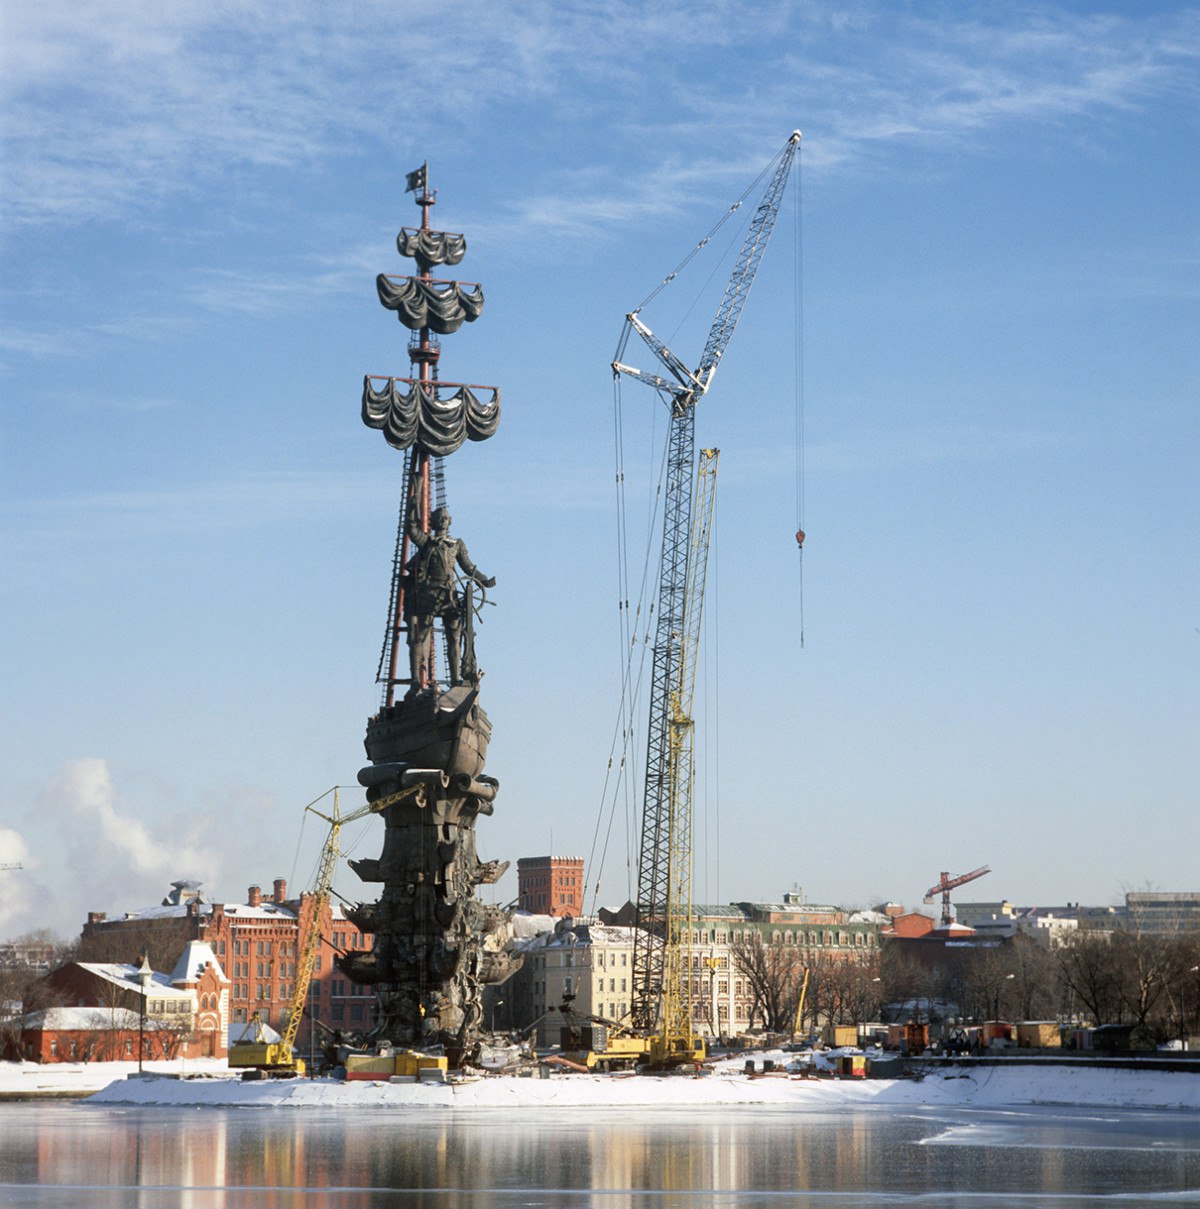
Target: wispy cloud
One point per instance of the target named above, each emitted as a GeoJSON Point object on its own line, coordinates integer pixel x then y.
{"type": "Point", "coordinates": [113, 108]}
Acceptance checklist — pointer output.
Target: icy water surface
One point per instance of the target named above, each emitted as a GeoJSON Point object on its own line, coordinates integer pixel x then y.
{"type": "Point", "coordinates": [100, 1158]}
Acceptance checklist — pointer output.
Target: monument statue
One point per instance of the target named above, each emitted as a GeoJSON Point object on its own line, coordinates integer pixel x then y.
{"type": "Point", "coordinates": [431, 592]}
{"type": "Point", "coordinates": [435, 944]}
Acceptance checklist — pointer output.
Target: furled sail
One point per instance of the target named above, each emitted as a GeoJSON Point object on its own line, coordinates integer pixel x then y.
{"type": "Point", "coordinates": [442, 307]}
{"type": "Point", "coordinates": [418, 416]}
{"type": "Point", "coordinates": [429, 248]}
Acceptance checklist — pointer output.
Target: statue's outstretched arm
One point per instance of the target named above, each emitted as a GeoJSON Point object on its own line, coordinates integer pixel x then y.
{"type": "Point", "coordinates": [469, 568]}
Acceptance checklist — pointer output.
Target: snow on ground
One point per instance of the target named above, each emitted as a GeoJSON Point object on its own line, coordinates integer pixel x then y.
{"type": "Point", "coordinates": [82, 1078]}
{"type": "Point", "coordinates": [209, 1083]}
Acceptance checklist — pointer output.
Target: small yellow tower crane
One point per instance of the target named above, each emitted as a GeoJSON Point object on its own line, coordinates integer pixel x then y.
{"type": "Point", "coordinates": [253, 1050]}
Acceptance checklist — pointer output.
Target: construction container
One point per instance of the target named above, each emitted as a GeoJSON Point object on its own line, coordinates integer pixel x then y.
{"type": "Point", "coordinates": [852, 1066]}
{"type": "Point", "coordinates": [1039, 1034]}
{"type": "Point", "coordinates": [424, 1066]}
{"type": "Point", "coordinates": [838, 1036]}
{"type": "Point", "coordinates": [406, 1064]}
{"type": "Point", "coordinates": [995, 1030]}
{"type": "Point", "coordinates": [916, 1038]}
{"type": "Point", "coordinates": [376, 1067]}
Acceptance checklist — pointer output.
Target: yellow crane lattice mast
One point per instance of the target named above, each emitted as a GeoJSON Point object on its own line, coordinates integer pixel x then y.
{"type": "Point", "coordinates": [677, 1039]}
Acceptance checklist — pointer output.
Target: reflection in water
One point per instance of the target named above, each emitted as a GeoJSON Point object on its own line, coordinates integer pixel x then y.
{"type": "Point", "coordinates": [95, 1158]}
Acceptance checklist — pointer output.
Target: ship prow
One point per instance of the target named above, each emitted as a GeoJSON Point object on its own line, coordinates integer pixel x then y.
{"type": "Point", "coordinates": [432, 729]}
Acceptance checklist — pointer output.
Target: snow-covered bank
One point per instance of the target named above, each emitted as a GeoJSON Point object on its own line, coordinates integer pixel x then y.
{"type": "Point", "coordinates": [19, 1079]}
{"type": "Point", "coordinates": [983, 1086]}
{"type": "Point", "coordinates": [991, 1087]}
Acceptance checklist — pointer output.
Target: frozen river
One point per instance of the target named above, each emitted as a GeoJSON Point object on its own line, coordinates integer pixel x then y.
{"type": "Point", "coordinates": [93, 1157]}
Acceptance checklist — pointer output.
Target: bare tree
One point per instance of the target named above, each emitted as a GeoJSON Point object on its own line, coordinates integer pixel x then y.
{"type": "Point", "coordinates": [1088, 976]}
{"type": "Point", "coordinates": [773, 976]}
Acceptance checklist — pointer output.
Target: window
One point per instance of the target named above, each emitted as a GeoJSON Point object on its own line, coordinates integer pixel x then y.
{"type": "Point", "coordinates": [339, 1011]}
{"type": "Point", "coordinates": [356, 1011]}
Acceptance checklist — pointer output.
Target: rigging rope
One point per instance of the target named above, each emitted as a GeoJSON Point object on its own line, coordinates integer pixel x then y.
{"type": "Point", "coordinates": [737, 205]}
{"type": "Point", "coordinates": [798, 372]}
{"type": "Point", "coordinates": [621, 773]}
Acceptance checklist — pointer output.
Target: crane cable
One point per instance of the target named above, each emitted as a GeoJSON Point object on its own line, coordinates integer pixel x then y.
{"type": "Point", "coordinates": [798, 374]}
{"type": "Point", "coordinates": [621, 773]}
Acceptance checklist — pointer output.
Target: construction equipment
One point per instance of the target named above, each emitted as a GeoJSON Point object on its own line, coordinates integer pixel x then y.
{"type": "Point", "coordinates": [253, 1050]}
{"type": "Point", "coordinates": [599, 1044]}
{"type": "Point", "coordinates": [800, 1005]}
{"type": "Point", "coordinates": [947, 883]}
{"type": "Point", "coordinates": [662, 986]}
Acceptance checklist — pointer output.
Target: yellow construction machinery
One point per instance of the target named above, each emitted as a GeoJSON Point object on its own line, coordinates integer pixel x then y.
{"type": "Point", "coordinates": [253, 1051]}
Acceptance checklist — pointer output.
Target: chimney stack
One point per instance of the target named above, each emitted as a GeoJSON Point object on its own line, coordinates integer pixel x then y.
{"type": "Point", "coordinates": [280, 895]}
{"type": "Point", "coordinates": [254, 896]}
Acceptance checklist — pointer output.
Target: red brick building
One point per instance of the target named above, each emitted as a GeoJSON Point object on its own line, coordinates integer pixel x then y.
{"type": "Point", "coordinates": [550, 885]}
{"type": "Point", "coordinates": [258, 945]}
{"type": "Point", "coordinates": [111, 1011]}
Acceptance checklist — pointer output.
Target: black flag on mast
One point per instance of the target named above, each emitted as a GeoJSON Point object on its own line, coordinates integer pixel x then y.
{"type": "Point", "coordinates": [416, 180]}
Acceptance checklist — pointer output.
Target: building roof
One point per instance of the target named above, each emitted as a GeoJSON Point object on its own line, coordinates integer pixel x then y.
{"type": "Point", "coordinates": [84, 1019]}
{"type": "Point", "coordinates": [125, 976]}
{"type": "Point", "coordinates": [196, 955]}
{"type": "Point", "coordinates": [527, 925]}
{"type": "Point", "coordinates": [169, 910]}
{"type": "Point", "coordinates": [265, 910]}
{"type": "Point", "coordinates": [579, 934]}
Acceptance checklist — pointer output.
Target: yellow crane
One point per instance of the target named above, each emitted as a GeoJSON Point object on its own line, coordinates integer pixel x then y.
{"type": "Point", "coordinates": [676, 1041]}
{"type": "Point", "coordinates": [253, 1050]}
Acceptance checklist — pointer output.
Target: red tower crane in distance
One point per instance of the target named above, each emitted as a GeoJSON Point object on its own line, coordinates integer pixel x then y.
{"type": "Point", "coordinates": [948, 883]}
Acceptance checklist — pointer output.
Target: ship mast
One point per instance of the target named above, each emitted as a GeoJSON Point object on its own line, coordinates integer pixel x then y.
{"type": "Point", "coordinates": [416, 415]}
{"type": "Point", "coordinates": [423, 352]}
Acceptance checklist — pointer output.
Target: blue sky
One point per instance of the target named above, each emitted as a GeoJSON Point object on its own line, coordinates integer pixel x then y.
{"type": "Point", "coordinates": [1000, 365]}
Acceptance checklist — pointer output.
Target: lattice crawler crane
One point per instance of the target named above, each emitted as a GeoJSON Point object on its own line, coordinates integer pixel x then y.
{"type": "Point", "coordinates": [662, 1008]}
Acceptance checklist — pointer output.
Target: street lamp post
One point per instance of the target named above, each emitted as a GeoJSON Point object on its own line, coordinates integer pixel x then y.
{"type": "Point", "coordinates": [1006, 978]}
{"type": "Point", "coordinates": [1182, 1017]}
{"type": "Point", "coordinates": [144, 974]}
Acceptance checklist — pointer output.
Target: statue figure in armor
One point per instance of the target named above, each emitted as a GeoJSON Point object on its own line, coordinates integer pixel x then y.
{"type": "Point", "coordinates": [431, 592]}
